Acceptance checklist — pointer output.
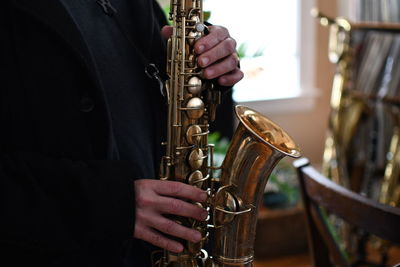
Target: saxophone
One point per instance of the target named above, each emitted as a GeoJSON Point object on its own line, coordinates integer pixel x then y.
{"type": "Point", "coordinates": [258, 144]}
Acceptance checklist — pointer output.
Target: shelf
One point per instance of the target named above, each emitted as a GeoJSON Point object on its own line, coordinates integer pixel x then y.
{"type": "Point", "coordinates": [375, 26]}
{"type": "Point", "coordinates": [349, 25]}
{"type": "Point", "coordinates": [386, 100]}
{"type": "Point", "coordinates": [280, 232]}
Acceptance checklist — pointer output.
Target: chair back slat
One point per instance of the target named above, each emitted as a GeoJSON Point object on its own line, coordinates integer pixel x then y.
{"type": "Point", "coordinates": [320, 193]}
{"type": "Point", "coordinates": [335, 254]}
{"type": "Point", "coordinates": [375, 218]}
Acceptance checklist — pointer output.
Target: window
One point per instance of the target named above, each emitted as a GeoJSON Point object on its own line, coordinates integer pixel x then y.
{"type": "Point", "coordinates": [268, 35]}
{"type": "Point", "coordinates": [283, 74]}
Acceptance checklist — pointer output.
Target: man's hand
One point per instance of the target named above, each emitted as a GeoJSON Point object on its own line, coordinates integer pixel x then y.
{"type": "Point", "coordinates": [216, 55]}
{"type": "Point", "coordinates": [154, 198]}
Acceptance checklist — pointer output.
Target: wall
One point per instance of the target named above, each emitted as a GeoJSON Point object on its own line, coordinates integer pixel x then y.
{"type": "Point", "coordinates": [308, 128]}
{"type": "Point", "coordinates": [163, 2]}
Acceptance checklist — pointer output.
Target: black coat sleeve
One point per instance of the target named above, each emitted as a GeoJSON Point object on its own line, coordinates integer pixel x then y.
{"type": "Point", "coordinates": [159, 14]}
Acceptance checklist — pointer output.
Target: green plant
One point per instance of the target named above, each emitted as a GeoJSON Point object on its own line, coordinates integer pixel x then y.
{"type": "Point", "coordinates": [242, 51]}
{"type": "Point", "coordinates": [282, 188]}
{"type": "Point", "coordinates": [220, 144]}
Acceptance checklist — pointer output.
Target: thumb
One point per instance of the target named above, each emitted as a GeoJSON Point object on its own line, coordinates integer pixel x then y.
{"type": "Point", "coordinates": [166, 31]}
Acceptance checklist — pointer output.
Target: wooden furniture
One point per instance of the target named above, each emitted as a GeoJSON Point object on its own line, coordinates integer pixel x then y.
{"type": "Point", "coordinates": [280, 233]}
{"type": "Point", "coordinates": [321, 195]}
{"type": "Point", "coordinates": [362, 147]}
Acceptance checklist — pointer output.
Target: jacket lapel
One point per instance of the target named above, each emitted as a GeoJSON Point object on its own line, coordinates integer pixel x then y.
{"type": "Point", "coordinates": [53, 14]}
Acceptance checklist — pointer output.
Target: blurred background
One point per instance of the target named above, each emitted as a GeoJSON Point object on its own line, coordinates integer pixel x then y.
{"type": "Point", "coordinates": [289, 78]}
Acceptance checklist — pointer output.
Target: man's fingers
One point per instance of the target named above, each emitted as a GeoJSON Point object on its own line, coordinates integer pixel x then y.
{"type": "Point", "coordinates": [220, 51]}
{"type": "Point", "coordinates": [157, 239]}
{"type": "Point", "coordinates": [166, 32]}
{"type": "Point", "coordinates": [226, 65]}
{"type": "Point", "coordinates": [231, 78]}
{"type": "Point", "coordinates": [181, 208]}
{"type": "Point", "coordinates": [172, 228]}
{"type": "Point", "coordinates": [182, 190]}
{"type": "Point", "coordinates": [156, 198]}
{"type": "Point", "coordinates": [217, 34]}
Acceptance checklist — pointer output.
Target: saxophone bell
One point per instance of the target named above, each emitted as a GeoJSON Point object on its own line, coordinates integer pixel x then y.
{"type": "Point", "coordinates": [257, 146]}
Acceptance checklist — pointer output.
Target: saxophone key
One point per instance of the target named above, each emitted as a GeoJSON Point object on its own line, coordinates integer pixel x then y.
{"type": "Point", "coordinates": [197, 178]}
{"type": "Point", "coordinates": [195, 108]}
{"type": "Point", "coordinates": [192, 37]}
{"type": "Point", "coordinates": [194, 85]}
{"type": "Point", "coordinates": [196, 158]}
{"type": "Point", "coordinates": [191, 62]}
{"type": "Point", "coordinates": [193, 134]}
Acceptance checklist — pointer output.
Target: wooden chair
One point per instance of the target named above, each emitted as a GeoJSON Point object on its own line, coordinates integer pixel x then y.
{"type": "Point", "coordinates": [320, 194]}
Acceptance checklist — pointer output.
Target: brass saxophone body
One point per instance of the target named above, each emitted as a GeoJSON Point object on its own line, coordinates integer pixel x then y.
{"type": "Point", "coordinates": [258, 144]}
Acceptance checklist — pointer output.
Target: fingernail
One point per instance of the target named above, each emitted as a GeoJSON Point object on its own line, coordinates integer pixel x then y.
{"type": "Point", "coordinates": [204, 215]}
{"type": "Point", "coordinates": [178, 248]}
{"type": "Point", "coordinates": [204, 61]}
{"type": "Point", "coordinates": [203, 196]}
{"type": "Point", "coordinates": [200, 49]}
{"type": "Point", "coordinates": [196, 237]}
{"type": "Point", "coordinates": [209, 74]}
{"type": "Point", "coordinates": [222, 81]}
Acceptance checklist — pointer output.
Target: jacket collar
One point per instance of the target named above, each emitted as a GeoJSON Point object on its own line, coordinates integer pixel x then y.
{"type": "Point", "coordinates": [53, 14]}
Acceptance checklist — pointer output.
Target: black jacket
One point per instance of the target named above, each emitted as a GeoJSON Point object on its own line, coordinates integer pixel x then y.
{"type": "Point", "coordinates": [63, 201]}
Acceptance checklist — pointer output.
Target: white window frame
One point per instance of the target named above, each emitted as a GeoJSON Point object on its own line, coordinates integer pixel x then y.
{"type": "Point", "coordinates": [308, 93]}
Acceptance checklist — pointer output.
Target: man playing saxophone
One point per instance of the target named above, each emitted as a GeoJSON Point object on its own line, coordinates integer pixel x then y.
{"type": "Point", "coordinates": [81, 132]}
